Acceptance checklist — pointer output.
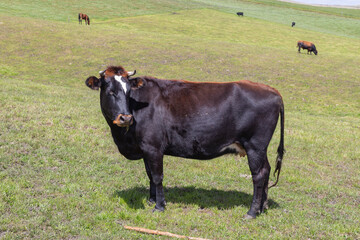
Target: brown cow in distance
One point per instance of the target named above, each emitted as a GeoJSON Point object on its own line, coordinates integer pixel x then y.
{"type": "Point", "coordinates": [307, 45]}
{"type": "Point", "coordinates": [85, 17]}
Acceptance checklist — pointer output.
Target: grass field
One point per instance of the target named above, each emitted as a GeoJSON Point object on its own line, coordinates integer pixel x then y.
{"type": "Point", "coordinates": [61, 176]}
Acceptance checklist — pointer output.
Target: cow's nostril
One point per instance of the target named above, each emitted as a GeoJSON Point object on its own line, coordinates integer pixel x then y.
{"type": "Point", "coordinates": [123, 120]}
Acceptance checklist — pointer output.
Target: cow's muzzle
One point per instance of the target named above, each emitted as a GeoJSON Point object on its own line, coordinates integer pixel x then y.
{"type": "Point", "coordinates": [123, 120]}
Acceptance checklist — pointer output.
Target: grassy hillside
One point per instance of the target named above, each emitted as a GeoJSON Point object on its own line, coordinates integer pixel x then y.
{"type": "Point", "coordinates": [340, 22]}
{"type": "Point", "coordinates": [336, 21]}
{"type": "Point", "coordinates": [61, 175]}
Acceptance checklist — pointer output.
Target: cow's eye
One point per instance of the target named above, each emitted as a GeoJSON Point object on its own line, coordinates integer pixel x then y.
{"type": "Point", "coordinates": [112, 93]}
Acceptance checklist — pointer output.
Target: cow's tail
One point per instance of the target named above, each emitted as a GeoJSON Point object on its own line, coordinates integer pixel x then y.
{"type": "Point", "coordinates": [281, 149]}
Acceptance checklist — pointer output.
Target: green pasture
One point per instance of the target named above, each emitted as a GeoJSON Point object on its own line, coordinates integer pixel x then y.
{"type": "Point", "coordinates": [336, 21]}
{"type": "Point", "coordinates": [61, 176]}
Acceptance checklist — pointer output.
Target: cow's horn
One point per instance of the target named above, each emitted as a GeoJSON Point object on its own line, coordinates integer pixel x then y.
{"type": "Point", "coordinates": [131, 73]}
{"type": "Point", "coordinates": [102, 73]}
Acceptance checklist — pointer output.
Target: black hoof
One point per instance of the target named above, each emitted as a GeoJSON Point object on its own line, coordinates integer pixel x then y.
{"type": "Point", "coordinates": [248, 217]}
{"type": "Point", "coordinates": [157, 209]}
{"type": "Point", "coordinates": [151, 201]}
{"type": "Point", "coordinates": [160, 207]}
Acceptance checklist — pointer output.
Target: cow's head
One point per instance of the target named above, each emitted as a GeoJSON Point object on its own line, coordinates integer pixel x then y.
{"type": "Point", "coordinates": [114, 95]}
{"type": "Point", "coordinates": [313, 48]}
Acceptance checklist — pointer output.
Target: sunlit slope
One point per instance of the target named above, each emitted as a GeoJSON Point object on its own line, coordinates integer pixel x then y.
{"type": "Point", "coordinates": [336, 21]}
{"type": "Point", "coordinates": [66, 10]}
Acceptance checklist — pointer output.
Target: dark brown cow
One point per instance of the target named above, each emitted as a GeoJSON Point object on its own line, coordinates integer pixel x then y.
{"type": "Point", "coordinates": [85, 17]}
{"type": "Point", "coordinates": [307, 45]}
{"type": "Point", "coordinates": [150, 118]}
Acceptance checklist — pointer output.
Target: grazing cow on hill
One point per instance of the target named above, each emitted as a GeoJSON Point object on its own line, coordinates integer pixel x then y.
{"type": "Point", "coordinates": [292, 24]}
{"type": "Point", "coordinates": [240, 14]}
{"type": "Point", "coordinates": [150, 118]}
{"type": "Point", "coordinates": [85, 17]}
{"type": "Point", "coordinates": [307, 45]}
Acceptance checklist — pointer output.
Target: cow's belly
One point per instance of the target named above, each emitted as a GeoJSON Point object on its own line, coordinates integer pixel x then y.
{"type": "Point", "coordinates": [204, 150]}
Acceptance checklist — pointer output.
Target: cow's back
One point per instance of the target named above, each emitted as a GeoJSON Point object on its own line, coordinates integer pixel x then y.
{"type": "Point", "coordinates": [305, 44]}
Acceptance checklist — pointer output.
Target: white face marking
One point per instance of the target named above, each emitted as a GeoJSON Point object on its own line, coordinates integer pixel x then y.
{"type": "Point", "coordinates": [122, 82]}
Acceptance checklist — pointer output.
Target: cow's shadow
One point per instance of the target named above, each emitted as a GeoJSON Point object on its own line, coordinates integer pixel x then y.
{"type": "Point", "coordinates": [204, 198]}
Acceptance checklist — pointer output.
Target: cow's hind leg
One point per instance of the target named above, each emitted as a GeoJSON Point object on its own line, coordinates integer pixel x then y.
{"type": "Point", "coordinates": [266, 185]}
{"type": "Point", "coordinates": [152, 198]}
{"type": "Point", "coordinates": [260, 171]}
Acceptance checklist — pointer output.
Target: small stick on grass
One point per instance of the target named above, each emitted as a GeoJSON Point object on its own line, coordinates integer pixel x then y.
{"type": "Point", "coordinates": [157, 232]}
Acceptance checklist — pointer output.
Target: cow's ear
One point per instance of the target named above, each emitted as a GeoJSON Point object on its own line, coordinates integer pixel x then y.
{"type": "Point", "coordinates": [137, 82]}
{"type": "Point", "coordinates": [93, 82]}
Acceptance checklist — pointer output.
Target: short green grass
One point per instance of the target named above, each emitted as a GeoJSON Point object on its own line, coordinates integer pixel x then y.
{"type": "Point", "coordinates": [336, 21]}
{"type": "Point", "coordinates": [61, 175]}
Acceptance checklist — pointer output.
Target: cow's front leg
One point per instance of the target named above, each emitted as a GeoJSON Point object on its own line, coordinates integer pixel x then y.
{"type": "Point", "coordinates": [152, 198]}
{"type": "Point", "coordinates": [155, 162]}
